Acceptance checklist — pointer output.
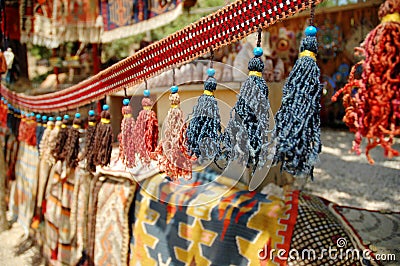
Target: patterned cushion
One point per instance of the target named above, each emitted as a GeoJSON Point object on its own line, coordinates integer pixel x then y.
{"type": "Point", "coordinates": [317, 230]}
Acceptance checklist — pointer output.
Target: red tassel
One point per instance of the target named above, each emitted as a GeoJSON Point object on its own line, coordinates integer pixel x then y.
{"type": "Point", "coordinates": [3, 113]}
{"type": "Point", "coordinates": [145, 133]}
{"type": "Point", "coordinates": [171, 152]}
{"type": "Point", "coordinates": [373, 110]}
{"type": "Point", "coordinates": [126, 150]}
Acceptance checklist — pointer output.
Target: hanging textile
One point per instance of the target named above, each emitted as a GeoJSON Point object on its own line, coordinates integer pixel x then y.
{"type": "Point", "coordinates": [126, 18]}
{"type": "Point", "coordinates": [51, 23]}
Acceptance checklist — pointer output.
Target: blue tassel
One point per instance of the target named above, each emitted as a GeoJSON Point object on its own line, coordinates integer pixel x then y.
{"type": "Point", "coordinates": [298, 119]}
{"type": "Point", "coordinates": [204, 130]}
{"type": "Point", "coordinates": [246, 136]}
{"type": "Point", "coordinates": [41, 122]}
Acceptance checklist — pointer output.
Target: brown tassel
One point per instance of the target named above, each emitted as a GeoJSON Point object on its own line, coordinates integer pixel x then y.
{"type": "Point", "coordinates": [90, 141]}
{"type": "Point", "coordinates": [71, 149]}
{"type": "Point", "coordinates": [62, 136]}
{"type": "Point", "coordinates": [103, 139]}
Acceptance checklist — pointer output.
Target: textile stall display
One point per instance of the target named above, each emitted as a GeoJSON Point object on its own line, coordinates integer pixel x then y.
{"type": "Point", "coordinates": [45, 22]}
{"type": "Point", "coordinates": [151, 202]}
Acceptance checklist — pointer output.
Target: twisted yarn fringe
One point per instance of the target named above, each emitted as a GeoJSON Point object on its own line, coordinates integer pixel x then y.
{"type": "Point", "coordinates": [39, 135]}
{"type": "Point", "coordinates": [44, 152]}
{"type": "Point", "coordinates": [58, 150]}
{"type": "Point", "coordinates": [72, 147]}
{"type": "Point", "coordinates": [373, 110]}
{"type": "Point", "coordinates": [90, 142]}
{"type": "Point", "coordinates": [102, 143]}
{"type": "Point", "coordinates": [298, 120]}
{"type": "Point", "coordinates": [171, 152]}
{"type": "Point", "coordinates": [145, 133]}
{"type": "Point", "coordinates": [127, 154]}
{"type": "Point", "coordinates": [52, 142]}
{"type": "Point", "coordinates": [246, 136]}
{"type": "Point", "coordinates": [203, 135]}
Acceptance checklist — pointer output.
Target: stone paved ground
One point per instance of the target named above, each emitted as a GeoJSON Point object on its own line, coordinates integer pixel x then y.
{"type": "Point", "coordinates": [348, 179]}
{"type": "Point", "coordinates": [340, 177]}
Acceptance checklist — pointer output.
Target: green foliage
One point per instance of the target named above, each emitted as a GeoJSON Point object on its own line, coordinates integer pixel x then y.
{"type": "Point", "coordinates": [40, 52]}
{"type": "Point", "coordinates": [119, 48]}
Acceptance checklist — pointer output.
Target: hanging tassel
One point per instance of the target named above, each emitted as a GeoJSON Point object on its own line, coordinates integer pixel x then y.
{"type": "Point", "coordinates": [204, 130]}
{"type": "Point", "coordinates": [90, 141]}
{"type": "Point", "coordinates": [71, 149]}
{"type": "Point", "coordinates": [41, 122]}
{"type": "Point", "coordinates": [298, 120]}
{"type": "Point", "coordinates": [31, 130]}
{"type": "Point", "coordinates": [21, 127]}
{"type": "Point", "coordinates": [246, 136]}
{"type": "Point", "coordinates": [10, 118]}
{"type": "Point", "coordinates": [3, 112]}
{"type": "Point", "coordinates": [103, 139]}
{"type": "Point", "coordinates": [53, 140]}
{"type": "Point", "coordinates": [373, 109]}
{"type": "Point", "coordinates": [44, 143]}
{"type": "Point", "coordinates": [171, 152]}
{"type": "Point", "coordinates": [62, 136]}
{"type": "Point", "coordinates": [351, 103]}
{"type": "Point", "coordinates": [145, 133]}
{"type": "Point", "coordinates": [126, 151]}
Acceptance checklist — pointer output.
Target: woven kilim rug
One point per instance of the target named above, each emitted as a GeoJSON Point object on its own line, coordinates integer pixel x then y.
{"type": "Point", "coordinates": [65, 249]}
{"type": "Point", "coordinates": [79, 213]}
{"type": "Point", "coordinates": [52, 212]}
{"type": "Point", "coordinates": [233, 228]}
{"type": "Point", "coordinates": [111, 236]}
{"type": "Point", "coordinates": [373, 230]}
{"type": "Point", "coordinates": [22, 204]}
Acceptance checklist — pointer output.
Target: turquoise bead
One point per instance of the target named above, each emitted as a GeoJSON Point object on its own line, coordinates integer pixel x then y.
{"type": "Point", "coordinates": [91, 112]}
{"type": "Point", "coordinates": [125, 102]}
{"type": "Point", "coordinates": [311, 31]}
{"type": "Point", "coordinates": [146, 93]}
{"type": "Point", "coordinates": [174, 89]}
{"type": "Point", "coordinates": [211, 72]}
{"type": "Point", "coordinates": [106, 107]}
{"type": "Point", "coordinates": [258, 51]}
{"type": "Point", "coordinates": [77, 115]}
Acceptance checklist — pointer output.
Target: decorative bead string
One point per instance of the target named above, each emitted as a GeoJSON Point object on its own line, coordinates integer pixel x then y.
{"type": "Point", "coordinates": [227, 25]}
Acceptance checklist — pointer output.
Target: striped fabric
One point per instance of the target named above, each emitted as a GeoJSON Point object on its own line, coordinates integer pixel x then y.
{"type": "Point", "coordinates": [23, 199]}
{"type": "Point", "coordinates": [58, 247]}
{"type": "Point", "coordinates": [65, 249]}
{"type": "Point", "coordinates": [52, 214]}
{"type": "Point", "coordinates": [79, 213]}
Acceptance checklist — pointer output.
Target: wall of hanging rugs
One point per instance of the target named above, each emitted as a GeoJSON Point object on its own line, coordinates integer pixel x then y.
{"type": "Point", "coordinates": [146, 202]}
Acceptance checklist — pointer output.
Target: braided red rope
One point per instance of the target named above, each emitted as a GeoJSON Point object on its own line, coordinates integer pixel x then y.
{"type": "Point", "coordinates": [227, 25]}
